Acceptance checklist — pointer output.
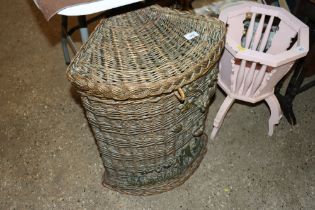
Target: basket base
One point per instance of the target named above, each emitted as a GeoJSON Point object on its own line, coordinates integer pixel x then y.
{"type": "Point", "coordinates": [166, 185]}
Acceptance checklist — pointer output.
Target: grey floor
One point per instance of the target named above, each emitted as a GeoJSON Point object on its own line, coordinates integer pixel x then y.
{"type": "Point", "coordinates": [48, 158]}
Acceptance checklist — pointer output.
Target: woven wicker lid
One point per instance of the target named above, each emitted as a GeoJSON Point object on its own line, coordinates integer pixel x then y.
{"type": "Point", "coordinates": [145, 53]}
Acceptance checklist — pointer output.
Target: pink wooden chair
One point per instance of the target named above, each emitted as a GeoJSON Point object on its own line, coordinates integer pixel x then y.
{"type": "Point", "coordinates": [256, 57]}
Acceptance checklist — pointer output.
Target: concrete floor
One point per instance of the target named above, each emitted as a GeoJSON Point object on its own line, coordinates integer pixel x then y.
{"type": "Point", "coordinates": [49, 160]}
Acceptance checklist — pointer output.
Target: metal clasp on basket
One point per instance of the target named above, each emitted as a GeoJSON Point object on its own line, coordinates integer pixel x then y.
{"type": "Point", "coordinates": [180, 94]}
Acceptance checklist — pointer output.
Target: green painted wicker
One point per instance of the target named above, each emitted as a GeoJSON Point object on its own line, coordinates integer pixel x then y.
{"type": "Point", "coordinates": [146, 90]}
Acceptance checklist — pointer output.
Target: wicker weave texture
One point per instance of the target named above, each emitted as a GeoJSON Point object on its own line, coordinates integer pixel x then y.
{"type": "Point", "coordinates": [146, 89]}
{"type": "Point", "coordinates": [144, 53]}
{"type": "Point", "coordinates": [154, 144]}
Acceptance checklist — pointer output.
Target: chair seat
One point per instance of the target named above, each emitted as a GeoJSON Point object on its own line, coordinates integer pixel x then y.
{"type": "Point", "coordinates": [94, 7]}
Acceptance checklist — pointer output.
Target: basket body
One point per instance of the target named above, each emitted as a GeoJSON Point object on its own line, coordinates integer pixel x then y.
{"type": "Point", "coordinates": [154, 144]}
{"type": "Point", "coordinates": [146, 88]}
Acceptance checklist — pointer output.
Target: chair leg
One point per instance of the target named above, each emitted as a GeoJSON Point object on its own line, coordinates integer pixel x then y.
{"type": "Point", "coordinates": [66, 35]}
{"type": "Point", "coordinates": [226, 105]}
{"type": "Point", "coordinates": [83, 28]}
{"type": "Point", "coordinates": [275, 112]}
{"type": "Point", "coordinates": [64, 41]}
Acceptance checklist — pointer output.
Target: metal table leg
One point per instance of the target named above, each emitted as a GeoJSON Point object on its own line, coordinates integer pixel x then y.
{"type": "Point", "coordinates": [64, 42]}
{"type": "Point", "coordinates": [83, 28]}
{"type": "Point", "coordinates": [66, 35]}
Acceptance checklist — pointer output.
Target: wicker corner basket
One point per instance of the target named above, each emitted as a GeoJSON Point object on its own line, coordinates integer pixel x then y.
{"type": "Point", "coordinates": [146, 90]}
